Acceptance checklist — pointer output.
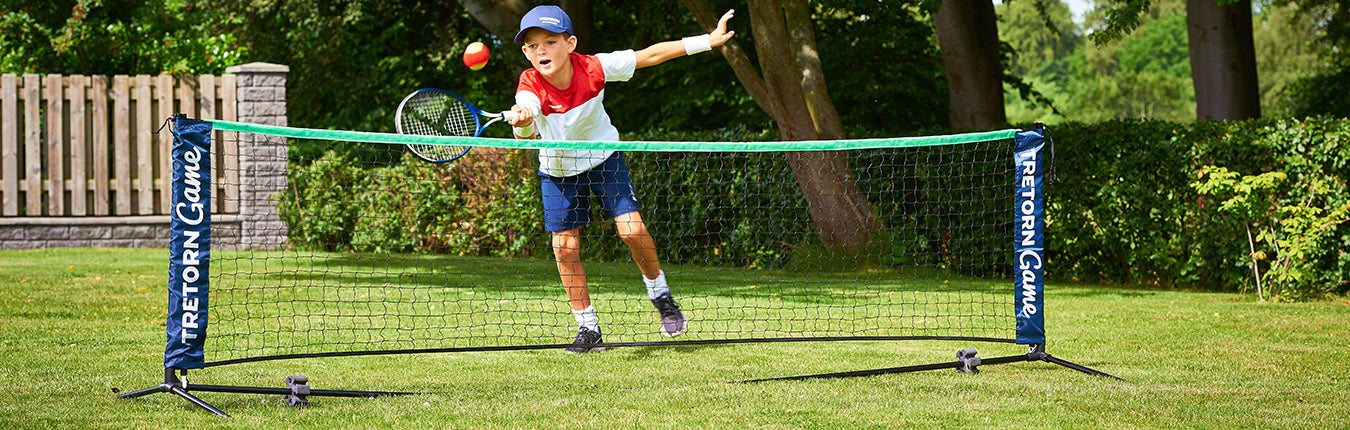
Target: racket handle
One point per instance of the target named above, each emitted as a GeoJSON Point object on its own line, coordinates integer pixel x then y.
{"type": "Point", "coordinates": [509, 115]}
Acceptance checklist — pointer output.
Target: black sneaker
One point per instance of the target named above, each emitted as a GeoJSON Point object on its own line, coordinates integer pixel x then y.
{"type": "Point", "coordinates": [586, 341]}
{"type": "Point", "coordinates": [672, 321]}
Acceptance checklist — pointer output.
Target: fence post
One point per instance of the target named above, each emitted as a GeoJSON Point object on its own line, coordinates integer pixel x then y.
{"type": "Point", "coordinates": [261, 99]}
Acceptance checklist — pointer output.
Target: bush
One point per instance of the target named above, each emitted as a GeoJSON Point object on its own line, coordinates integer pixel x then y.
{"type": "Point", "coordinates": [316, 205]}
{"type": "Point", "coordinates": [480, 206]}
{"type": "Point", "coordinates": [1308, 238]}
{"type": "Point", "coordinates": [1126, 205]}
{"type": "Point", "coordinates": [1115, 207]}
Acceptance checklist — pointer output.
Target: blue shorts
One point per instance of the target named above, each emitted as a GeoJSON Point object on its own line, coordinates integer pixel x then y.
{"type": "Point", "coordinates": [567, 201]}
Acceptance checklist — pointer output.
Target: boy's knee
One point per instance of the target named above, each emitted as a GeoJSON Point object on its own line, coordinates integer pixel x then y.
{"type": "Point", "coordinates": [635, 232]}
{"type": "Point", "coordinates": [566, 243]}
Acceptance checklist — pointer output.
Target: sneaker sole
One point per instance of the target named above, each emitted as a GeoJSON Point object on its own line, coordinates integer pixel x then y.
{"type": "Point", "coordinates": [596, 349]}
{"type": "Point", "coordinates": [669, 334]}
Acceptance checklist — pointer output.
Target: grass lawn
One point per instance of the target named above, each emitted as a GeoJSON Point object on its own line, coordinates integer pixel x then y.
{"type": "Point", "coordinates": [78, 324]}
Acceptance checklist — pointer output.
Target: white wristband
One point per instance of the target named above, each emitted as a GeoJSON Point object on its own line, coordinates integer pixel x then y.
{"type": "Point", "coordinates": [526, 131]}
{"type": "Point", "coordinates": [696, 44]}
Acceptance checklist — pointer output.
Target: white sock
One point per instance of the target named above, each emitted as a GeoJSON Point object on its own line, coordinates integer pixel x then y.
{"type": "Point", "coordinates": [586, 318]}
{"type": "Point", "coordinates": [656, 287]}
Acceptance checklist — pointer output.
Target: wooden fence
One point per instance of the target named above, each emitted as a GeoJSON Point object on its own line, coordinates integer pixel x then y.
{"type": "Point", "coordinates": [78, 146]}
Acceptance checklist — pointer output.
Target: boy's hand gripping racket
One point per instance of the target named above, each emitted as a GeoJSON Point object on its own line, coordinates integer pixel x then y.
{"type": "Point", "coordinates": [434, 112]}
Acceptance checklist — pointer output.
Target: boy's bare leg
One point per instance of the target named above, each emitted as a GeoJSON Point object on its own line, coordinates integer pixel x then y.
{"type": "Point", "coordinates": [640, 244]}
{"type": "Point", "coordinates": [567, 250]}
{"type": "Point", "coordinates": [634, 233]}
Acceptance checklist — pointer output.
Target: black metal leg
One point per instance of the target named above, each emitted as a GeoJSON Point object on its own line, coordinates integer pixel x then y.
{"type": "Point", "coordinates": [173, 385]}
{"type": "Point", "coordinates": [296, 391]}
{"type": "Point", "coordinates": [148, 391]}
{"type": "Point", "coordinates": [1084, 369]}
{"type": "Point", "coordinates": [184, 394]}
{"type": "Point", "coordinates": [966, 362]}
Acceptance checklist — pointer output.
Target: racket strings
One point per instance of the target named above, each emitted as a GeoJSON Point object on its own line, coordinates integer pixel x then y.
{"type": "Point", "coordinates": [435, 114]}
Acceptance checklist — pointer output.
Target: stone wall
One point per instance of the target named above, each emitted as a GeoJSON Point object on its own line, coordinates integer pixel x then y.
{"type": "Point", "coordinates": [262, 159]}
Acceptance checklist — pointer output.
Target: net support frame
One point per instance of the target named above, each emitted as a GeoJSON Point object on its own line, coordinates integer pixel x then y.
{"type": "Point", "coordinates": [190, 247]}
{"type": "Point", "coordinates": [189, 285]}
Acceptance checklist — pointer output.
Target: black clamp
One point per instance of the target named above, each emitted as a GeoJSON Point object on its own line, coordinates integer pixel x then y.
{"type": "Point", "coordinates": [299, 389]}
{"type": "Point", "coordinates": [1037, 353]}
{"type": "Point", "coordinates": [969, 362]}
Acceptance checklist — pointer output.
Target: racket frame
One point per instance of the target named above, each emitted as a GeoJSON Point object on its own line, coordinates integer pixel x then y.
{"type": "Point", "coordinates": [474, 112]}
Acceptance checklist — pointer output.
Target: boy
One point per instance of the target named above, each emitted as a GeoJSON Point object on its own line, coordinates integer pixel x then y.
{"type": "Point", "coordinates": [561, 98]}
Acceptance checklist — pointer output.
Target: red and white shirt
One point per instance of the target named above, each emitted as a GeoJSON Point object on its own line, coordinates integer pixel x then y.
{"type": "Point", "coordinates": [577, 113]}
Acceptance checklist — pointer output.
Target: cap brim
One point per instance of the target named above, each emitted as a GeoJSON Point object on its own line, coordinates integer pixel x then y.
{"type": "Point", "coordinates": [520, 37]}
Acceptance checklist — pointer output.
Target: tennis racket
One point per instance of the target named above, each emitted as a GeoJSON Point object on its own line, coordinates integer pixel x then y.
{"type": "Point", "coordinates": [434, 112]}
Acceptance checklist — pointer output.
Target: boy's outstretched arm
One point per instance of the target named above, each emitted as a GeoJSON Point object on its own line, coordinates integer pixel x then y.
{"type": "Point", "coordinates": [661, 52]}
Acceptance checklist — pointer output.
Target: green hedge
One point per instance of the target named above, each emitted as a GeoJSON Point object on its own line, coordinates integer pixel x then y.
{"type": "Point", "coordinates": [484, 208]}
{"type": "Point", "coordinates": [1125, 206]}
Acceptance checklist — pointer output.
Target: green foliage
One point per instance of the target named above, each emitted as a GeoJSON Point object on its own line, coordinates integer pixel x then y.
{"type": "Point", "coordinates": [1038, 31]}
{"type": "Point", "coordinates": [1288, 235]}
{"type": "Point", "coordinates": [1300, 47]}
{"type": "Point", "coordinates": [486, 206]}
{"type": "Point", "coordinates": [1158, 47]}
{"type": "Point", "coordinates": [316, 204]}
{"type": "Point", "coordinates": [1131, 203]}
{"type": "Point", "coordinates": [692, 93]}
{"type": "Point", "coordinates": [1248, 197]}
{"type": "Point", "coordinates": [882, 65]}
{"type": "Point", "coordinates": [1119, 18]}
{"type": "Point", "coordinates": [878, 59]}
{"type": "Point", "coordinates": [115, 37]}
{"type": "Point", "coordinates": [1145, 74]}
{"type": "Point", "coordinates": [1323, 91]}
{"type": "Point", "coordinates": [1287, 47]}
{"type": "Point", "coordinates": [352, 61]}
{"type": "Point", "coordinates": [1116, 208]}
{"type": "Point", "coordinates": [1320, 94]}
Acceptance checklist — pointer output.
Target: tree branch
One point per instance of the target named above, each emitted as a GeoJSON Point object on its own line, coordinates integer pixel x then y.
{"type": "Point", "coordinates": [740, 62]}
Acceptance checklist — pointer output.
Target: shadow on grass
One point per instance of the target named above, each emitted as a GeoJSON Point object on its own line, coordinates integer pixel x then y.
{"type": "Point", "coordinates": [1068, 289]}
{"type": "Point", "coordinates": [646, 352]}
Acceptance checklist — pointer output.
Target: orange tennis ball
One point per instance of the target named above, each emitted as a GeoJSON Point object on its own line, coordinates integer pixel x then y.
{"type": "Point", "coordinates": [476, 56]}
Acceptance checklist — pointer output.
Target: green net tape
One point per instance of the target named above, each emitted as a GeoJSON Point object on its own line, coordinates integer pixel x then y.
{"type": "Point", "coordinates": [804, 145]}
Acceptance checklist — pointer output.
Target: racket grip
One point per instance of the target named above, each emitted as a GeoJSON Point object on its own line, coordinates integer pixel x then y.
{"type": "Point", "coordinates": [509, 115]}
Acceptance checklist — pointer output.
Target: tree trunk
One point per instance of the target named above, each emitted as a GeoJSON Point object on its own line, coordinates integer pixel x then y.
{"type": "Point", "coordinates": [798, 15]}
{"type": "Point", "coordinates": [968, 35]}
{"type": "Point", "coordinates": [583, 24]}
{"type": "Point", "coordinates": [840, 211]}
{"type": "Point", "coordinates": [501, 17]}
{"type": "Point", "coordinates": [1223, 60]}
{"type": "Point", "coordinates": [828, 174]}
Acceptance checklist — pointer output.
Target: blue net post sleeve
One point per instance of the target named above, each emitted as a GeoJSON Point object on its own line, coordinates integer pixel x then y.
{"type": "Point", "coordinates": [1029, 249]}
{"type": "Point", "coordinates": [190, 245]}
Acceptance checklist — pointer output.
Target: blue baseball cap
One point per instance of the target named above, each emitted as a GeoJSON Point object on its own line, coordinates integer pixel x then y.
{"type": "Point", "coordinates": [551, 18]}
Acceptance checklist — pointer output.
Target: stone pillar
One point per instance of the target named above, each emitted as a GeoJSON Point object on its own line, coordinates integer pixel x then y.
{"type": "Point", "coordinates": [261, 96]}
